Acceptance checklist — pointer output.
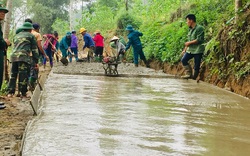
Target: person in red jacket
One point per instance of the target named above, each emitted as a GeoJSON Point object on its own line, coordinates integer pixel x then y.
{"type": "Point", "coordinates": [99, 44]}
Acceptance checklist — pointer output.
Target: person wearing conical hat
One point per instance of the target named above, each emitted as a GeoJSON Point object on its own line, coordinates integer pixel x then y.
{"type": "Point", "coordinates": [23, 54]}
{"type": "Point", "coordinates": [120, 48]}
{"type": "Point", "coordinates": [3, 45]}
{"type": "Point", "coordinates": [135, 42]}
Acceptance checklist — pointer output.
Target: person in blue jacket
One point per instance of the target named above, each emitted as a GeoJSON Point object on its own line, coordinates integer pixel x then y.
{"type": "Point", "coordinates": [65, 45]}
{"type": "Point", "coordinates": [135, 42]}
{"type": "Point", "coordinates": [89, 43]}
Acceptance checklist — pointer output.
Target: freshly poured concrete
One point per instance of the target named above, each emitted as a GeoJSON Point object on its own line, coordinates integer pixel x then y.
{"type": "Point", "coordinates": [97, 116]}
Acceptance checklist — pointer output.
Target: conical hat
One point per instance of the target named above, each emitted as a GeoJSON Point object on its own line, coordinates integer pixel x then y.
{"type": "Point", "coordinates": [114, 38]}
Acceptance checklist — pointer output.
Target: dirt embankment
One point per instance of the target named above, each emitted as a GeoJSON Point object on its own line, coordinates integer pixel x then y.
{"type": "Point", "coordinates": [13, 120]}
{"type": "Point", "coordinates": [241, 86]}
{"type": "Point", "coordinates": [227, 63]}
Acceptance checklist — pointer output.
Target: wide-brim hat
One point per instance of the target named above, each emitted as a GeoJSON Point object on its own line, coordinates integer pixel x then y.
{"type": "Point", "coordinates": [27, 26]}
{"type": "Point", "coordinates": [129, 27]}
{"type": "Point", "coordinates": [18, 30]}
{"type": "Point", "coordinates": [97, 32]}
{"type": "Point", "coordinates": [114, 39]}
{"type": "Point", "coordinates": [2, 8]}
{"type": "Point", "coordinates": [83, 30]}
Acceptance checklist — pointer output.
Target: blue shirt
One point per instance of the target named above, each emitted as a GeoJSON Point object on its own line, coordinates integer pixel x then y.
{"type": "Point", "coordinates": [89, 42]}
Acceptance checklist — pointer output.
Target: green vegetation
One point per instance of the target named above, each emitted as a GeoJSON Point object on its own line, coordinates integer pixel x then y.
{"type": "Point", "coordinates": [163, 24]}
{"type": "Point", "coordinates": [46, 12]}
{"type": "Point", "coordinates": [3, 90]}
{"type": "Point", "coordinates": [165, 31]}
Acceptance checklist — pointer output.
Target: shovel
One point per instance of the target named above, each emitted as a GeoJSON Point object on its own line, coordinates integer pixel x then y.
{"type": "Point", "coordinates": [71, 53]}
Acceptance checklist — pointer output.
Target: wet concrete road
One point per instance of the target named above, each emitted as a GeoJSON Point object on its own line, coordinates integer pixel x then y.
{"type": "Point", "coordinates": [103, 116]}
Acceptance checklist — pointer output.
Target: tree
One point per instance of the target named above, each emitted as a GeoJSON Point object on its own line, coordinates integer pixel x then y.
{"type": "Point", "coordinates": [71, 14]}
{"type": "Point", "coordinates": [6, 27]}
{"type": "Point", "coordinates": [46, 12]}
{"type": "Point", "coordinates": [238, 6]}
{"type": "Point", "coordinates": [6, 31]}
{"type": "Point", "coordinates": [126, 5]}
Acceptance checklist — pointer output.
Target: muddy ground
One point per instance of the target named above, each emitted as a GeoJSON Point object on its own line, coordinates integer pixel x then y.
{"type": "Point", "coordinates": [240, 86]}
{"type": "Point", "coordinates": [13, 120]}
{"type": "Point", "coordinates": [124, 69]}
{"type": "Point", "coordinates": [15, 117]}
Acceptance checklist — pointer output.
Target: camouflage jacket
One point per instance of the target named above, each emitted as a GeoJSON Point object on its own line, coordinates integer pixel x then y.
{"type": "Point", "coordinates": [25, 48]}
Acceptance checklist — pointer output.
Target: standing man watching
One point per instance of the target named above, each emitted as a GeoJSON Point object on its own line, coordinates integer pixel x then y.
{"type": "Point", "coordinates": [134, 40]}
{"type": "Point", "coordinates": [4, 43]}
{"type": "Point", "coordinates": [194, 47]}
{"type": "Point", "coordinates": [89, 43]}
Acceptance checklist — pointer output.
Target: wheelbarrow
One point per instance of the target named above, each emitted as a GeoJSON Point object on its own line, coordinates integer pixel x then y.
{"type": "Point", "coordinates": [110, 65]}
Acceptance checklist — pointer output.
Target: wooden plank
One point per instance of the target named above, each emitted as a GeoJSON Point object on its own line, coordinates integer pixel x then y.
{"type": "Point", "coordinates": [34, 101]}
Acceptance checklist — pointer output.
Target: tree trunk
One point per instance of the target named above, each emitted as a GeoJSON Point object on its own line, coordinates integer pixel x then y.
{"type": "Point", "coordinates": [126, 5]}
{"type": "Point", "coordinates": [6, 31]}
{"type": "Point", "coordinates": [6, 28]}
{"type": "Point", "coordinates": [238, 6]}
{"type": "Point", "coordinates": [71, 14]}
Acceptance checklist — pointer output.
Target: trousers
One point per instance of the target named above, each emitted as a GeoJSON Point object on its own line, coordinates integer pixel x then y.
{"type": "Point", "coordinates": [22, 71]}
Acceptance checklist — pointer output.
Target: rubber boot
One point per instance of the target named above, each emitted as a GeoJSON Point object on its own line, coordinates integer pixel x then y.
{"type": "Point", "coordinates": [32, 81]}
{"type": "Point", "coordinates": [146, 63]}
{"type": "Point", "coordinates": [196, 73]}
{"type": "Point", "coordinates": [188, 72]}
{"type": "Point", "coordinates": [136, 65]}
{"type": "Point", "coordinates": [100, 58]}
{"type": "Point", "coordinates": [2, 106]}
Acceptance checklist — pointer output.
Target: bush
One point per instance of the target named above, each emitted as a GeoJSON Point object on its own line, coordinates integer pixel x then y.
{"type": "Point", "coordinates": [126, 19]}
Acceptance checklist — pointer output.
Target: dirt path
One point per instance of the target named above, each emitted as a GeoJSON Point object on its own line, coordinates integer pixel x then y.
{"type": "Point", "coordinates": [13, 120]}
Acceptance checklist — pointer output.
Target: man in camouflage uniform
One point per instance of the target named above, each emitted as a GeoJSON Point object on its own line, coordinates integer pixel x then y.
{"type": "Point", "coordinates": [25, 51]}
{"type": "Point", "coordinates": [3, 45]}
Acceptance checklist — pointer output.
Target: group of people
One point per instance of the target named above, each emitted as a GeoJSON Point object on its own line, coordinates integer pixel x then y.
{"type": "Point", "coordinates": [69, 45]}
{"type": "Point", "coordinates": [96, 45]}
{"type": "Point", "coordinates": [28, 50]}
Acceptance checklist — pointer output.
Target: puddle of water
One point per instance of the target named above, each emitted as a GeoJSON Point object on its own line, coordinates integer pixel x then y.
{"type": "Point", "coordinates": [84, 115]}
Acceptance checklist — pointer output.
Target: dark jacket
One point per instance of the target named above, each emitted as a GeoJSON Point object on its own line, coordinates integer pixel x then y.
{"type": "Point", "coordinates": [134, 40]}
